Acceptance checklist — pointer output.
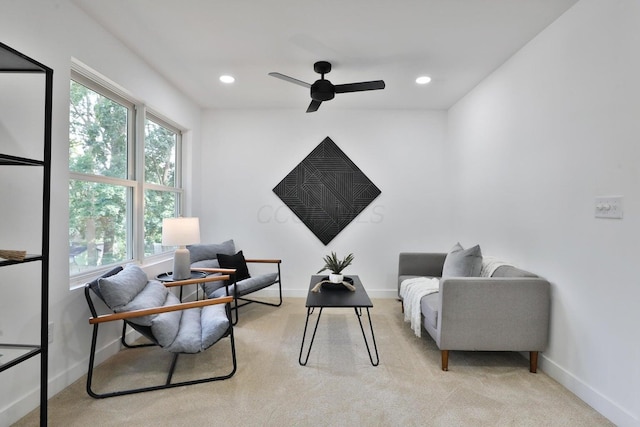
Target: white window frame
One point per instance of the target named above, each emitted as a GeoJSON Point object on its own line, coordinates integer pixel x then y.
{"type": "Point", "coordinates": [135, 168]}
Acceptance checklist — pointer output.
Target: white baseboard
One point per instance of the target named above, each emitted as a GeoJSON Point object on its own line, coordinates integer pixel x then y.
{"type": "Point", "coordinates": [616, 414]}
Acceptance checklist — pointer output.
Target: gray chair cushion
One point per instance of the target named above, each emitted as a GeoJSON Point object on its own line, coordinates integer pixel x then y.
{"type": "Point", "coordinates": [206, 263]}
{"type": "Point", "coordinates": [208, 251]}
{"type": "Point", "coordinates": [153, 295]}
{"type": "Point", "coordinates": [165, 326]}
{"type": "Point", "coordinates": [183, 331]}
{"type": "Point", "coordinates": [118, 290]}
{"type": "Point", "coordinates": [214, 324]}
{"type": "Point", "coordinates": [247, 286]}
{"type": "Point", "coordinates": [210, 287]}
{"type": "Point", "coordinates": [462, 262]}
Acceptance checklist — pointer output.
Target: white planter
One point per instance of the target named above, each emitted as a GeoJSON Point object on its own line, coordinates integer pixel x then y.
{"type": "Point", "coordinates": [336, 278]}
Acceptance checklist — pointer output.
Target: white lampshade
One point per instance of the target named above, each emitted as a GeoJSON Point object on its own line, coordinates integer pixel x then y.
{"type": "Point", "coordinates": [180, 231]}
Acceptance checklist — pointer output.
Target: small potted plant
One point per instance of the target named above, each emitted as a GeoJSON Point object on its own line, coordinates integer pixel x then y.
{"type": "Point", "coordinates": [333, 264]}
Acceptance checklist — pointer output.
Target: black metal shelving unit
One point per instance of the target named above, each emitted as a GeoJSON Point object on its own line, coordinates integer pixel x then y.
{"type": "Point", "coordinates": [12, 61]}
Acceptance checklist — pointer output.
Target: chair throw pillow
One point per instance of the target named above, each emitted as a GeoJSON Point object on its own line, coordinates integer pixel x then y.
{"type": "Point", "coordinates": [462, 262]}
{"type": "Point", "coordinates": [236, 261]}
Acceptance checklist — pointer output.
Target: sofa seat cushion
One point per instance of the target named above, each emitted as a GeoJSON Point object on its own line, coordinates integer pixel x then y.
{"type": "Point", "coordinates": [247, 286]}
{"type": "Point", "coordinates": [429, 307]}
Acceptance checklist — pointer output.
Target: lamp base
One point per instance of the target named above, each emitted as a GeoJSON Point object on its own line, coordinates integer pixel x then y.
{"type": "Point", "coordinates": [181, 264]}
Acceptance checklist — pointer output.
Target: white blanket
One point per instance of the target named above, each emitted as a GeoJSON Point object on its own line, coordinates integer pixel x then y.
{"type": "Point", "coordinates": [412, 291]}
{"type": "Point", "coordinates": [490, 265]}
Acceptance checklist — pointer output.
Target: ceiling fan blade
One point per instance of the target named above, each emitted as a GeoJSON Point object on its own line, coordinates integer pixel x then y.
{"type": "Point", "coordinates": [290, 79]}
{"type": "Point", "coordinates": [357, 87]}
{"type": "Point", "coordinates": [314, 106]}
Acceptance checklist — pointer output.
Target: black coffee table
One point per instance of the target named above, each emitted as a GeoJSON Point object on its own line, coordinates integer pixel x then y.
{"type": "Point", "coordinates": [338, 297]}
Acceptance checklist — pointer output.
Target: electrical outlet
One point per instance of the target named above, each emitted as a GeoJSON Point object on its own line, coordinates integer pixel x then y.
{"type": "Point", "coordinates": [50, 332]}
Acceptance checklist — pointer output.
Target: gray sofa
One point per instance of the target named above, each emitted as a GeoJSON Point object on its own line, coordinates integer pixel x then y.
{"type": "Point", "coordinates": [508, 311]}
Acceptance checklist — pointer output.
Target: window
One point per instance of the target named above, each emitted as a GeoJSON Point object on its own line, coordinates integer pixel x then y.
{"type": "Point", "coordinates": [120, 187]}
{"type": "Point", "coordinates": [161, 195]}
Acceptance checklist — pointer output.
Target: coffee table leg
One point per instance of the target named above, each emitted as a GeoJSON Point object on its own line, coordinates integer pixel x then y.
{"type": "Point", "coordinates": [373, 337]}
{"type": "Point", "coordinates": [306, 323]}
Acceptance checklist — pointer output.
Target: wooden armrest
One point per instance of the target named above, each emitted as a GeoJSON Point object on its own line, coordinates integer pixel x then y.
{"type": "Point", "coordinates": [270, 261]}
{"type": "Point", "coordinates": [216, 270]}
{"type": "Point", "coordinates": [156, 310]}
{"type": "Point", "coordinates": [194, 281]}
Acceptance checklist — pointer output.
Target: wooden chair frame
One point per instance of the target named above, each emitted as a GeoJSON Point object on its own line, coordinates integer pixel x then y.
{"type": "Point", "coordinates": [96, 320]}
{"type": "Point", "coordinates": [236, 297]}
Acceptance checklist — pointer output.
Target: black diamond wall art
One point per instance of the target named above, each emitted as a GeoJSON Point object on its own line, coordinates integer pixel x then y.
{"type": "Point", "coordinates": [326, 191]}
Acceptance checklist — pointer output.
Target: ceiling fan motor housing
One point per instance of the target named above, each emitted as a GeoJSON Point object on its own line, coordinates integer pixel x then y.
{"type": "Point", "coordinates": [322, 90]}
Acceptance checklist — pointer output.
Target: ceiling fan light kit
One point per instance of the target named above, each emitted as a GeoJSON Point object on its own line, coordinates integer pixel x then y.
{"type": "Point", "coordinates": [323, 90]}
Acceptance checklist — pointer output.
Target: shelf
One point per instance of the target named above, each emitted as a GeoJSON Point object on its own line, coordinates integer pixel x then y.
{"type": "Point", "coordinates": [12, 61]}
{"type": "Point", "coordinates": [8, 160]}
{"type": "Point", "coordinates": [28, 258]}
{"type": "Point", "coordinates": [12, 354]}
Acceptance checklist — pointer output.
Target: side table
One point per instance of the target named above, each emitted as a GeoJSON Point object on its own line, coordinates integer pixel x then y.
{"type": "Point", "coordinates": [168, 277]}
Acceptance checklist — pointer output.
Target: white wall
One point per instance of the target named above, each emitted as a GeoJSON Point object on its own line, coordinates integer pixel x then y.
{"type": "Point", "coordinates": [52, 32]}
{"type": "Point", "coordinates": [245, 154]}
{"type": "Point", "coordinates": [533, 145]}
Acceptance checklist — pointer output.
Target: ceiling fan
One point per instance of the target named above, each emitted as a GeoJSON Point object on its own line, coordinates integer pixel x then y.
{"type": "Point", "coordinates": [324, 90]}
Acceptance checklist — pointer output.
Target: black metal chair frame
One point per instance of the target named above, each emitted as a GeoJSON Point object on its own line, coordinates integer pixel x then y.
{"type": "Point", "coordinates": [246, 301]}
{"type": "Point", "coordinates": [96, 319]}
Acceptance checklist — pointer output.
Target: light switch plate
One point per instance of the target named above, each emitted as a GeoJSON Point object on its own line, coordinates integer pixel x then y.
{"type": "Point", "coordinates": [608, 207]}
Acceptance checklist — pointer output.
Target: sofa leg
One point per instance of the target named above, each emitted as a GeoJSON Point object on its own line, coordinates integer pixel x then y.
{"type": "Point", "coordinates": [533, 361]}
{"type": "Point", "coordinates": [445, 359]}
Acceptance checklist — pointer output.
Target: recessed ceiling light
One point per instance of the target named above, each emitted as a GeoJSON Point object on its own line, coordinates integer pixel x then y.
{"type": "Point", "coordinates": [423, 80]}
{"type": "Point", "coordinates": [227, 79]}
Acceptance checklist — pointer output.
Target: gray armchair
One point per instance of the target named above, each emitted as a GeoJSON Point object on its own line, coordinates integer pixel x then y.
{"type": "Point", "coordinates": [222, 258]}
{"type": "Point", "coordinates": [157, 314]}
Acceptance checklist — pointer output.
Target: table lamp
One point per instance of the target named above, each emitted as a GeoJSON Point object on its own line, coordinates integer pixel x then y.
{"type": "Point", "coordinates": [181, 232]}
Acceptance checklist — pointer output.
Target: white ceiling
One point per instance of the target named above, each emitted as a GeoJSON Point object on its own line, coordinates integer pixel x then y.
{"type": "Point", "coordinates": [456, 42]}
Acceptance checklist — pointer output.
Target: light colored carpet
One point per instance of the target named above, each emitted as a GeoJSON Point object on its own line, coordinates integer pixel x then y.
{"type": "Point", "coordinates": [338, 387]}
